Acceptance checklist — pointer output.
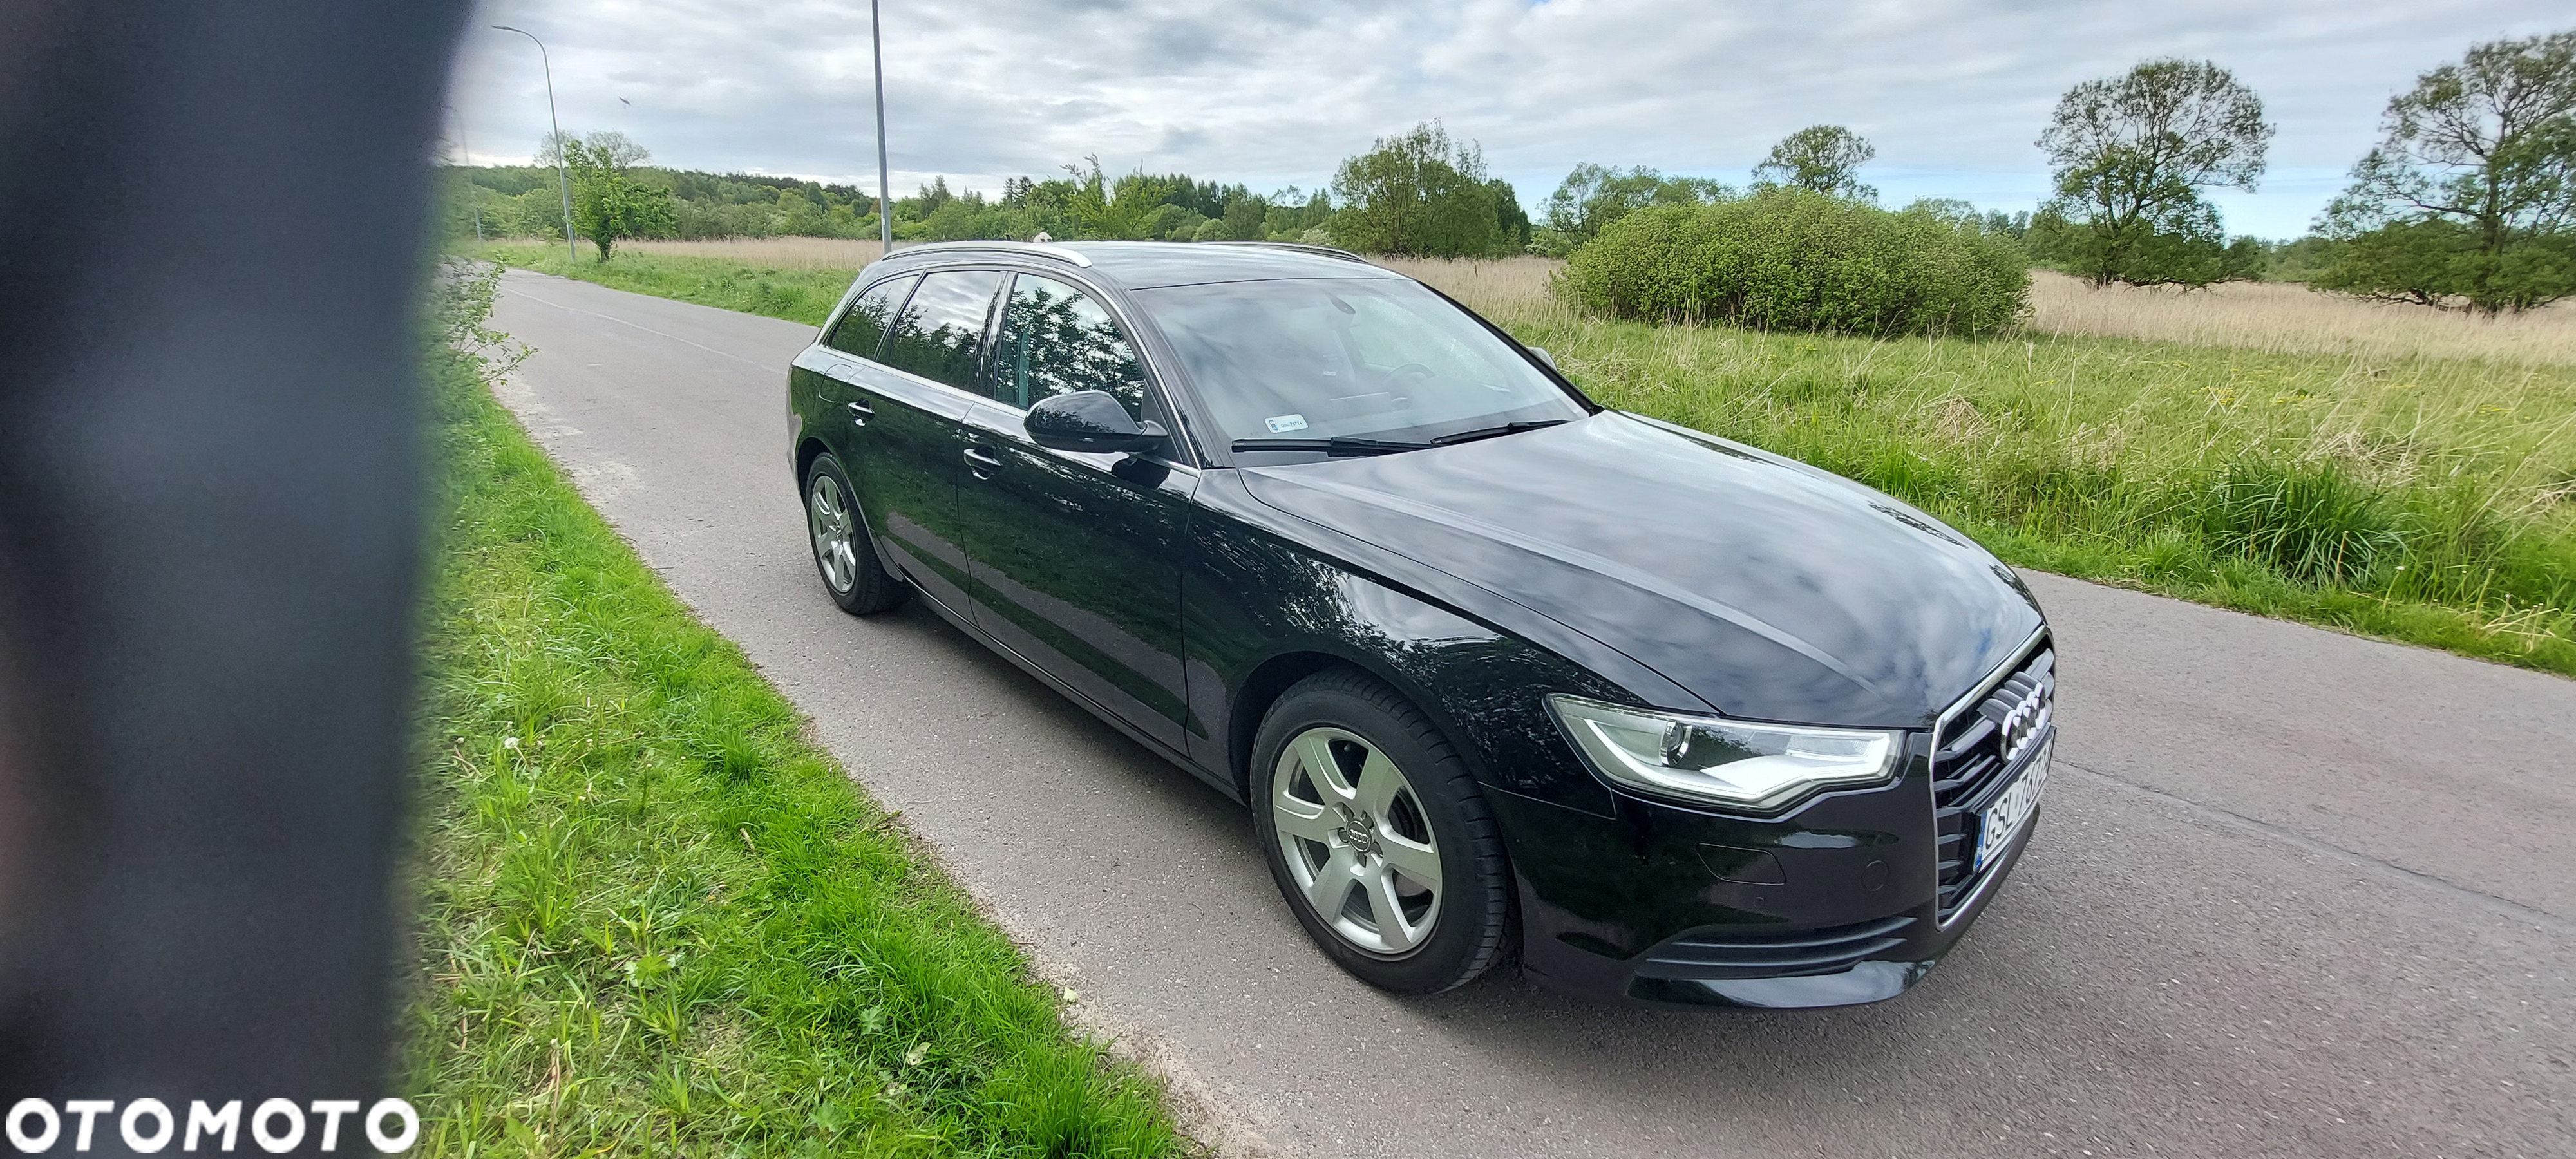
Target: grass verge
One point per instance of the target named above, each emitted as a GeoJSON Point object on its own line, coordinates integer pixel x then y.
{"type": "Point", "coordinates": [2429, 500]}
{"type": "Point", "coordinates": [796, 293]}
{"type": "Point", "coordinates": [654, 918]}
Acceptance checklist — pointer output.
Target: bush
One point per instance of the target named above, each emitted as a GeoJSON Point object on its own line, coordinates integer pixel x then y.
{"type": "Point", "coordinates": [1787, 259]}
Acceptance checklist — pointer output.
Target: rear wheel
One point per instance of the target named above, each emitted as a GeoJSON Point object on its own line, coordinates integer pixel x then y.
{"type": "Point", "coordinates": [1378, 836]}
{"type": "Point", "coordinates": [858, 582]}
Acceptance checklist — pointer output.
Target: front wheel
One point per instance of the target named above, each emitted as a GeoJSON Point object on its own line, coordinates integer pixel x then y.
{"type": "Point", "coordinates": [851, 572]}
{"type": "Point", "coordinates": [1378, 837]}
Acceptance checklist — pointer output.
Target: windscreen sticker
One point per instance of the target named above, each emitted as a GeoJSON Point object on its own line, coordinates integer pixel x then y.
{"type": "Point", "coordinates": [1282, 424]}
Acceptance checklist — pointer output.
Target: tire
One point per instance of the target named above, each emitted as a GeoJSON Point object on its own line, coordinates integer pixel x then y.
{"type": "Point", "coordinates": [1432, 822]}
{"type": "Point", "coordinates": [843, 556]}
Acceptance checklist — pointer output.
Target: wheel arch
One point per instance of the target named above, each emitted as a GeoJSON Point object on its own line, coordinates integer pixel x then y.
{"type": "Point", "coordinates": [1273, 677]}
{"type": "Point", "coordinates": [1262, 688]}
{"type": "Point", "coordinates": [807, 450]}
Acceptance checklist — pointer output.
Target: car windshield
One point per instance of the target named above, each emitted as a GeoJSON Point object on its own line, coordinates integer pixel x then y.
{"type": "Point", "coordinates": [1348, 358]}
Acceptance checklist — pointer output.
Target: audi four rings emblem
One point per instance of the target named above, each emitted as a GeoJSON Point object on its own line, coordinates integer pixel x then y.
{"type": "Point", "coordinates": [2025, 722]}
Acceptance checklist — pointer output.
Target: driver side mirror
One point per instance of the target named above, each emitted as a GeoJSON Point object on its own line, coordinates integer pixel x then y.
{"type": "Point", "coordinates": [1544, 356]}
{"type": "Point", "coordinates": [1090, 420]}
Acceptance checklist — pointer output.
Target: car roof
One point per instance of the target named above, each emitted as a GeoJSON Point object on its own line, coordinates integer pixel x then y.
{"type": "Point", "coordinates": [1140, 265]}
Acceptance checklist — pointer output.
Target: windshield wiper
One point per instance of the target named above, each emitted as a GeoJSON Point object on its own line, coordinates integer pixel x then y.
{"type": "Point", "coordinates": [1334, 446]}
{"type": "Point", "coordinates": [1490, 432]}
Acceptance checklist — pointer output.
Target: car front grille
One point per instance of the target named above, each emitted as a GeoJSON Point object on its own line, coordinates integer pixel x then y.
{"type": "Point", "coordinates": [1968, 761]}
{"type": "Point", "coordinates": [1713, 955]}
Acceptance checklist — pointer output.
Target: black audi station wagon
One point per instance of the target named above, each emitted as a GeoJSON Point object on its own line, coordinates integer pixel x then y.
{"type": "Point", "coordinates": [1499, 671]}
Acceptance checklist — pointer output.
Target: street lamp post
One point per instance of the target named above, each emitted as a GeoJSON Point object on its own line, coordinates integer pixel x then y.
{"type": "Point", "coordinates": [885, 199]}
{"type": "Point", "coordinates": [466, 152]}
{"type": "Point", "coordinates": [562, 180]}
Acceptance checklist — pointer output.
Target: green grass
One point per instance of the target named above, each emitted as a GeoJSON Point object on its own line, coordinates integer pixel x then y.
{"type": "Point", "coordinates": [654, 918]}
{"type": "Point", "coordinates": [798, 295]}
{"type": "Point", "coordinates": [2425, 500]}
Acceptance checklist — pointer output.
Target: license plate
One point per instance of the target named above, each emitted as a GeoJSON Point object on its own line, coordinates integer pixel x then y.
{"type": "Point", "coordinates": [2011, 809]}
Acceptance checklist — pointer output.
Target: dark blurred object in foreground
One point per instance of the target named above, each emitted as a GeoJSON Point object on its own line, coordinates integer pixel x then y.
{"type": "Point", "coordinates": [210, 235]}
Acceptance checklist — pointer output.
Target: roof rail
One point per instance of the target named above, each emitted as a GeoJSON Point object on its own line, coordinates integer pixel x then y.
{"type": "Point", "coordinates": [1038, 249]}
{"type": "Point", "coordinates": [1325, 250]}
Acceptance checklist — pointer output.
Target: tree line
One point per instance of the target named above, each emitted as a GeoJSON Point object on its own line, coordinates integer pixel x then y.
{"type": "Point", "coordinates": [616, 195]}
{"type": "Point", "coordinates": [2468, 200]}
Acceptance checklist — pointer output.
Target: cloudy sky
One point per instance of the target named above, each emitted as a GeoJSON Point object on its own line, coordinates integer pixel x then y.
{"type": "Point", "coordinates": [1275, 92]}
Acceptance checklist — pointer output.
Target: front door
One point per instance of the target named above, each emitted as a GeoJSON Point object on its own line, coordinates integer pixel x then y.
{"type": "Point", "coordinates": [911, 432]}
{"type": "Point", "coordinates": [1076, 557]}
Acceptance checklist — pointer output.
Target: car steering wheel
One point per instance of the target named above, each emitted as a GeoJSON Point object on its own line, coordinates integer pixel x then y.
{"type": "Point", "coordinates": [1416, 369]}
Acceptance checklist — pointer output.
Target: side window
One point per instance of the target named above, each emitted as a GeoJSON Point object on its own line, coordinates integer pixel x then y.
{"type": "Point", "coordinates": [936, 333]}
{"type": "Point", "coordinates": [1055, 340]}
{"type": "Point", "coordinates": [860, 330]}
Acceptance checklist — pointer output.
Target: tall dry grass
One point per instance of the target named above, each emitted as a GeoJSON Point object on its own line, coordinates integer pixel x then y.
{"type": "Point", "coordinates": [1504, 289]}
{"type": "Point", "coordinates": [2274, 317]}
{"type": "Point", "coordinates": [785, 253]}
{"type": "Point", "coordinates": [2284, 318]}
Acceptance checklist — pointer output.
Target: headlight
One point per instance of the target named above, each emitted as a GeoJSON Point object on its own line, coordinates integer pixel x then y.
{"type": "Point", "coordinates": [1723, 762]}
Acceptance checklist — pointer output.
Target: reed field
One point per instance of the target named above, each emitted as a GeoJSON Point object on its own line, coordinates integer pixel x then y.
{"type": "Point", "coordinates": [2281, 318]}
{"type": "Point", "coordinates": [2287, 318]}
{"type": "Point", "coordinates": [2394, 471]}
{"type": "Point", "coordinates": [784, 253]}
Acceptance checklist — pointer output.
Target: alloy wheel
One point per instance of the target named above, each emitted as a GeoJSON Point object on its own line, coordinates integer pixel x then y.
{"type": "Point", "coordinates": [1357, 841]}
{"type": "Point", "coordinates": [827, 516]}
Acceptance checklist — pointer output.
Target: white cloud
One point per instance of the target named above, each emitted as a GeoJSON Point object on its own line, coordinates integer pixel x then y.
{"type": "Point", "coordinates": [1272, 92]}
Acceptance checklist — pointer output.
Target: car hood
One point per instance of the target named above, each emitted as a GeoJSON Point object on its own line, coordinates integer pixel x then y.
{"type": "Point", "coordinates": [1767, 588]}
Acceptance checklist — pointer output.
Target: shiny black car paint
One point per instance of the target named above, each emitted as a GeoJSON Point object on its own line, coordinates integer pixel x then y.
{"type": "Point", "coordinates": [1613, 557]}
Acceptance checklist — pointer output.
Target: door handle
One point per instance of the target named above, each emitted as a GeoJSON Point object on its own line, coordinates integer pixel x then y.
{"type": "Point", "coordinates": [982, 462]}
{"type": "Point", "coordinates": [860, 413]}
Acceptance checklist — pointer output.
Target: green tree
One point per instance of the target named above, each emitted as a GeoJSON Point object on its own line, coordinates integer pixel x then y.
{"type": "Point", "coordinates": [1511, 222]}
{"type": "Point", "coordinates": [2188, 249]}
{"type": "Point", "coordinates": [2300, 260]}
{"type": "Point", "coordinates": [802, 214]}
{"type": "Point", "coordinates": [2470, 197]}
{"type": "Point", "coordinates": [1121, 210]}
{"type": "Point", "coordinates": [1420, 194]}
{"type": "Point", "coordinates": [2130, 155]}
{"type": "Point", "coordinates": [1592, 196]}
{"type": "Point", "coordinates": [608, 203]}
{"type": "Point", "coordinates": [1819, 159]}
{"type": "Point", "coordinates": [1244, 218]}
{"type": "Point", "coordinates": [1294, 212]}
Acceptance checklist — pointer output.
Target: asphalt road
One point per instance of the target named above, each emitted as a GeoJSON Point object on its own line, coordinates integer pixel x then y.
{"type": "Point", "coordinates": [2293, 893]}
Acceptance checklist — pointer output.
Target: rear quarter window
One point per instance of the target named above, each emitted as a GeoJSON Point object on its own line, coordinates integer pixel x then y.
{"type": "Point", "coordinates": [938, 332]}
{"type": "Point", "coordinates": [863, 328]}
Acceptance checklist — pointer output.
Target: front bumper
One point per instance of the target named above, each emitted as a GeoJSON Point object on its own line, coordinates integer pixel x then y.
{"type": "Point", "coordinates": [1834, 904]}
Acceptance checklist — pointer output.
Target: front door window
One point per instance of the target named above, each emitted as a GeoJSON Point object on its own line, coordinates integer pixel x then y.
{"type": "Point", "coordinates": [1055, 340]}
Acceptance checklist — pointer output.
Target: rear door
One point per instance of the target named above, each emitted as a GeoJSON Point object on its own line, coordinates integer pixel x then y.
{"type": "Point", "coordinates": [840, 410]}
{"type": "Point", "coordinates": [912, 402]}
{"type": "Point", "coordinates": [1076, 557]}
